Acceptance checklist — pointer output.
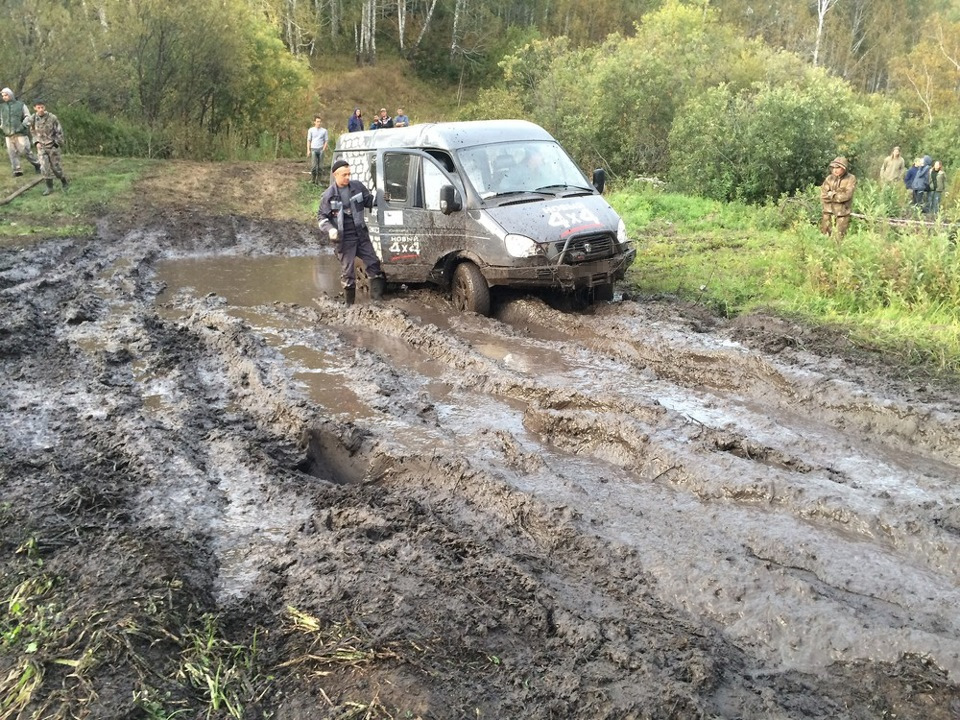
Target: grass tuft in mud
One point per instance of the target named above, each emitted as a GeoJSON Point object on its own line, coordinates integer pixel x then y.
{"type": "Point", "coordinates": [56, 646]}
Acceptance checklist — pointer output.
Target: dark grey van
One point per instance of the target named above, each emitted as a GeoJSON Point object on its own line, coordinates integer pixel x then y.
{"type": "Point", "coordinates": [474, 205]}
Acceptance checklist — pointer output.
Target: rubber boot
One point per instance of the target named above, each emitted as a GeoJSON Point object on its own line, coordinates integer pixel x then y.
{"type": "Point", "coordinates": [49, 188]}
{"type": "Point", "coordinates": [65, 184]}
{"type": "Point", "coordinates": [350, 295]}
{"type": "Point", "coordinates": [377, 286]}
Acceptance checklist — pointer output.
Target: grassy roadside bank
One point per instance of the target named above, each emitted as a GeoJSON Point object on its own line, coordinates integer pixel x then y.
{"type": "Point", "coordinates": [892, 290]}
{"type": "Point", "coordinates": [98, 185]}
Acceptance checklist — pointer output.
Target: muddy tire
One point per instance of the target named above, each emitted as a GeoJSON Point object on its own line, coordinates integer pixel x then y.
{"type": "Point", "coordinates": [469, 290]}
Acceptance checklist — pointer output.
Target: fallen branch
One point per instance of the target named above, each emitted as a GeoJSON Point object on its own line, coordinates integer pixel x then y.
{"type": "Point", "coordinates": [22, 190]}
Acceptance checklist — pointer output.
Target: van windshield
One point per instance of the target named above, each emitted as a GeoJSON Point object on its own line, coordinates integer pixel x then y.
{"type": "Point", "coordinates": [518, 167]}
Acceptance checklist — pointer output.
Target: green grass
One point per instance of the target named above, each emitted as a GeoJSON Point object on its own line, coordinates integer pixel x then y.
{"type": "Point", "coordinates": [97, 185]}
{"type": "Point", "coordinates": [892, 289]}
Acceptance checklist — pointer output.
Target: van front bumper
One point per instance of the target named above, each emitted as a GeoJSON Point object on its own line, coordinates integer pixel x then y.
{"type": "Point", "coordinates": [564, 277]}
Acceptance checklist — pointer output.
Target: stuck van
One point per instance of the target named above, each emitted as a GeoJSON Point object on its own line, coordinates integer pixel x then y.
{"type": "Point", "coordinates": [471, 206]}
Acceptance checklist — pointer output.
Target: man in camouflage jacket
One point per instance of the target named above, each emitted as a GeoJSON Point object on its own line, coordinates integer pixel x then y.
{"type": "Point", "coordinates": [48, 137]}
{"type": "Point", "coordinates": [836, 196]}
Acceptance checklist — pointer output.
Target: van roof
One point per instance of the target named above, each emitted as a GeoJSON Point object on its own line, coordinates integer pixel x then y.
{"type": "Point", "coordinates": [443, 136]}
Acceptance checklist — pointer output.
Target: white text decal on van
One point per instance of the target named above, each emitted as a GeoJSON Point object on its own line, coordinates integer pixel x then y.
{"type": "Point", "coordinates": [572, 217]}
{"type": "Point", "coordinates": [403, 247]}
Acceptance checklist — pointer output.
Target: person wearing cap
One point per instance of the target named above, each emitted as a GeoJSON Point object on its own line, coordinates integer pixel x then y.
{"type": "Point", "coordinates": [13, 117]}
{"type": "Point", "coordinates": [891, 170]}
{"type": "Point", "coordinates": [836, 196]}
{"type": "Point", "coordinates": [48, 137]}
{"type": "Point", "coordinates": [382, 121]}
{"type": "Point", "coordinates": [340, 217]}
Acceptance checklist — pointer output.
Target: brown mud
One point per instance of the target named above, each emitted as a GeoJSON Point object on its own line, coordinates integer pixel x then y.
{"type": "Point", "coordinates": [638, 511]}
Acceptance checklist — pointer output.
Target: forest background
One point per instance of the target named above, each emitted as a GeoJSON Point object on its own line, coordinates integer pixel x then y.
{"type": "Point", "coordinates": [742, 99]}
{"type": "Point", "coordinates": [714, 119]}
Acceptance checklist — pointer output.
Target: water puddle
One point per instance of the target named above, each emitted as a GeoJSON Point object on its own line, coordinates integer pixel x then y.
{"type": "Point", "coordinates": [249, 282]}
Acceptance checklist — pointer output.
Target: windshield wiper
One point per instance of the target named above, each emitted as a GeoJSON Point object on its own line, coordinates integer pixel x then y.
{"type": "Point", "coordinates": [563, 186]}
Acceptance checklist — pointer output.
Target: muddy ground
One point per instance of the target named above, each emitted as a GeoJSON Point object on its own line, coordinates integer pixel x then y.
{"type": "Point", "coordinates": [224, 493]}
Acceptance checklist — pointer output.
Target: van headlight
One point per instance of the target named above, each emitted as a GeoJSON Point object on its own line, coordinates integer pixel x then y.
{"type": "Point", "coordinates": [621, 232]}
{"type": "Point", "coordinates": [520, 246]}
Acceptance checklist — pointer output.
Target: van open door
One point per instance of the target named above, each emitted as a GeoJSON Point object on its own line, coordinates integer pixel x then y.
{"type": "Point", "coordinates": [420, 214]}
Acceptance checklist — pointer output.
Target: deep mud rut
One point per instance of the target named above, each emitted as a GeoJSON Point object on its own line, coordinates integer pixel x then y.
{"type": "Point", "coordinates": [634, 512]}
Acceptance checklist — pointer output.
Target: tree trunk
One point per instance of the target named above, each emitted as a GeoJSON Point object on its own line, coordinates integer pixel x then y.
{"type": "Point", "coordinates": [457, 21]}
{"type": "Point", "coordinates": [823, 7]}
{"type": "Point", "coordinates": [426, 23]}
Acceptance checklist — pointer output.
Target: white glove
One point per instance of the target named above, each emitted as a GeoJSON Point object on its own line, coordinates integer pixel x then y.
{"type": "Point", "coordinates": [334, 234]}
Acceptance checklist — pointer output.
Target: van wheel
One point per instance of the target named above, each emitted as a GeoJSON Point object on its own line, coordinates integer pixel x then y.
{"type": "Point", "coordinates": [470, 292]}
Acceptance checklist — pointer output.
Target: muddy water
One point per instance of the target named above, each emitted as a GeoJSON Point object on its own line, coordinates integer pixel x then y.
{"type": "Point", "coordinates": [810, 518]}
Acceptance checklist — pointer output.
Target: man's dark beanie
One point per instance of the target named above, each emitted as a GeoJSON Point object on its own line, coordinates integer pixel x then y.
{"type": "Point", "coordinates": [339, 164]}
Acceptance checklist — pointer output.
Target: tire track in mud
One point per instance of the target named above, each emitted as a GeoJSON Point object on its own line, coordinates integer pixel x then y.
{"type": "Point", "coordinates": [633, 518]}
{"type": "Point", "coordinates": [798, 520]}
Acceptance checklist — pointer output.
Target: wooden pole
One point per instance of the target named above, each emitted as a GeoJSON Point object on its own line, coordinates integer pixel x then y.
{"type": "Point", "coordinates": [22, 190]}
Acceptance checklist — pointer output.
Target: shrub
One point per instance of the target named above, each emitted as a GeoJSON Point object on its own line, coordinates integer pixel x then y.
{"type": "Point", "coordinates": [89, 133]}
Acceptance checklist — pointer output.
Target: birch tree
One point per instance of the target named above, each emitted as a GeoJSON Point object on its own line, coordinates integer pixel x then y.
{"type": "Point", "coordinates": [823, 7]}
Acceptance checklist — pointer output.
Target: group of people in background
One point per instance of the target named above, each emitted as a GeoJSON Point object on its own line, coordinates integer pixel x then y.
{"type": "Point", "coordinates": [318, 139]}
{"type": "Point", "coordinates": [925, 179]}
{"type": "Point", "coordinates": [381, 120]}
{"type": "Point", "coordinates": [24, 131]}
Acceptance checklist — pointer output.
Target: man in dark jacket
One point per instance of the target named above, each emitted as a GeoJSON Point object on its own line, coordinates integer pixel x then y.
{"type": "Point", "coordinates": [921, 182]}
{"type": "Point", "coordinates": [836, 196]}
{"type": "Point", "coordinates": [382, 121]}
{"type": "Point", "coordinates": [340, 217]}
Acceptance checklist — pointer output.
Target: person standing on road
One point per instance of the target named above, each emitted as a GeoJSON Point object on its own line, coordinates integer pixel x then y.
{"type": "Point", "coordinates": [938, 183]}
{"type": "Point", "coordinates": [891, 170]}
{"type": "Point", "coordinates": [340, 217]}
{"type": "Point", "coordinates": [13, 116]}
{"type": "Point", "coordinates": [317, 138]}
{"type": "Point", "coordinates": [48, 137]}
{"type": "Point", "coordinates": [836, 196]}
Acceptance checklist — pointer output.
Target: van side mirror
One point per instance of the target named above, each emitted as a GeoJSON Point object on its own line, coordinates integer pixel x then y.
{"type": "Point", "coordinates": [599, 179]}
{"type": "Point", "coordinates": [449, 203]}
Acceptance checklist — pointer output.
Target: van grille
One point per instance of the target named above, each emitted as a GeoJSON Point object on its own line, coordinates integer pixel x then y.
{"type": "Point", "coordinates": [585, 248]}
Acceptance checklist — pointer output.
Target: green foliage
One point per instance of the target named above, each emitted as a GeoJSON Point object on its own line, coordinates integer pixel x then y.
{"type": "Point", "coordinates": [89, 133]}
{"type": "Point", "coordinates": [766, 140]}
{"type": "Point", "coordinates": [894, 286]}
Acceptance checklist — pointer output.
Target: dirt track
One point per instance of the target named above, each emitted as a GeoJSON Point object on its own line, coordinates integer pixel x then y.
{"type": "Point", "coordinates": [637, 512]}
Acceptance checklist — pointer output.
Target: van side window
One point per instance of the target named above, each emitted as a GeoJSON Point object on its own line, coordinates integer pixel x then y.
{"type": "Point", "coordinates": [396, 172]}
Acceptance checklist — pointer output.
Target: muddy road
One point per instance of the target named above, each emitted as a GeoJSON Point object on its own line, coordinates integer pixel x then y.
{"type": "Point", "coordinates": [392, 510]}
